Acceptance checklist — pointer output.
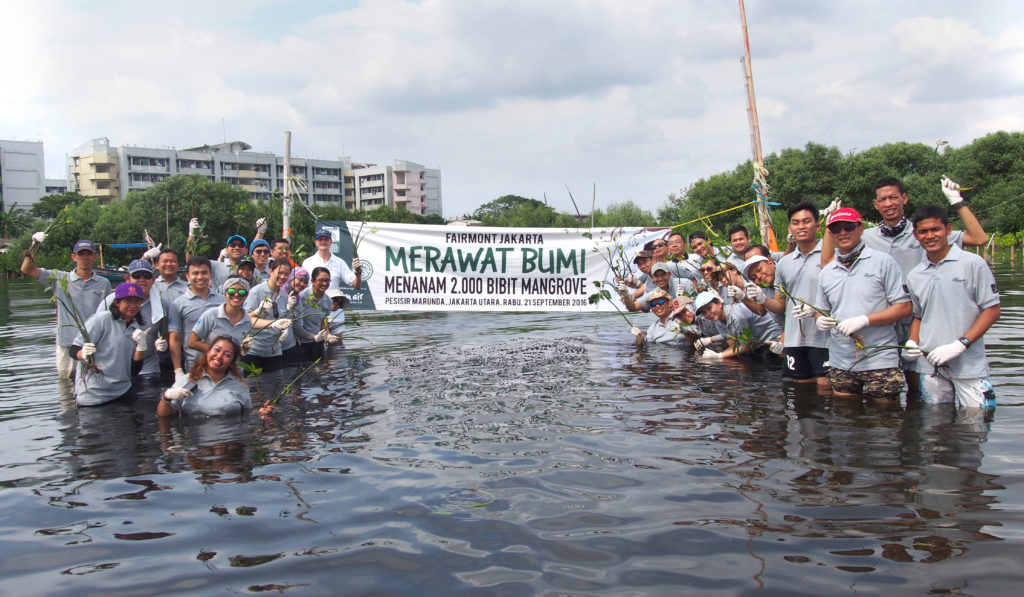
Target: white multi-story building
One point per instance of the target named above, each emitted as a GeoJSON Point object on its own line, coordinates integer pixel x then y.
{"type": "Point", "coordinates": [97, 170]}
{"type": "Point", "coordinates": [22, 181]}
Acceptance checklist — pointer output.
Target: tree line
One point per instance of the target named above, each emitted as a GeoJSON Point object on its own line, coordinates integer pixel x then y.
{"type": "Point", "coordinates": [993, 166]}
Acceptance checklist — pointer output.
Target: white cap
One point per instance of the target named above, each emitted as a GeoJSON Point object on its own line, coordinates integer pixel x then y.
{"type": "Point", "coordinates": [750, 262]}
{"type": "Point", "coordinates": [704, 299]}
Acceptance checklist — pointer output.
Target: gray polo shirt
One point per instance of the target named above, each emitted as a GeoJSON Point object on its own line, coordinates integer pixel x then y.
{"type": "Point", "coordinates": [872, 283]}
{"type": "Point", "coordinates": [215, 322]}
{"type": "Point", "coordinates": [114, 351]}
{"type": "Point", "coordinates": [267, 342]}
{"type": "Point", "coordinates": [948, 297]}
{"type": "Point", "coordinates": [903, 247]}
{"type": "Point", "coordinates": [220, 272]}
{"type": "Point", "coordinates": [738, 317]}
{"type": "Point", "coordinates": [229, 396]}
{"type": "Point", "coordinates": [260, 275]}
{"type": "Point", "coordinates": [184, 314]}
{"type": "Point", "coordinates": [85, 295]}
{"type": "Point", "coordinates": [672, 333]}
{"type": "Point", "coordinates": [674, 284]}
{"type": "Point", "coordinates": [154, 311]}
{"type": "Point", "coordinates": [309, 314]}
{"type": "Point", "coordinates": [798, 275]}
{"type": "Point", "coordinates": [170, 291]}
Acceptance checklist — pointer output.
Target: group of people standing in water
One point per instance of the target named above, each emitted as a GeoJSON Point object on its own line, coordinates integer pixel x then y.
{"type": "Point", "coordinates": [253, 306]}
{"type": "Point", "coordinates": [862, 311]}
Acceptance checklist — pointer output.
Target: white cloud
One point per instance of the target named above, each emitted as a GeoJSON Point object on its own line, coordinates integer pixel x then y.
{"type": "Point", "coordinates": [512, 96]}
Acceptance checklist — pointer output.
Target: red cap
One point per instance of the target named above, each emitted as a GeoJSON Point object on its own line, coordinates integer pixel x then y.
{"type": "Point", "coordinates": [845, 214]}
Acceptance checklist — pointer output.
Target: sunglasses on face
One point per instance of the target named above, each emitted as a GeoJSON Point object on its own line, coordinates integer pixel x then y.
{"type": "Point", "coordinates": [659, 245]}
{"type": "Point", "coordinates": [658, 302]}
{"type": "Point", "coordinates": [236, 245]}
{"type": "Point", "coordinates": [261, 252]}
{"type": "Point", "coordinates": [142, 276]}
{"type": "Point", "coordinates": [234, 291]}
{"type": "Point", "coordinates": [836, 227]}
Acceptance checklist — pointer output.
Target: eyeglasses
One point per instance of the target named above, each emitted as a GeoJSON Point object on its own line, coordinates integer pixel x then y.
{"type": "Point", "coordinates": [837, 227]}
{"type": "Point", "coordinates": [261, 252]}
{"type": "Point", "coordinates": [141, 276]}
{"type": "Point", "coordinates": [234, 291]}
{"type": "Point", "coordinates": [658, 302]}
{"type": "Point", "coordinates": [236, 245]}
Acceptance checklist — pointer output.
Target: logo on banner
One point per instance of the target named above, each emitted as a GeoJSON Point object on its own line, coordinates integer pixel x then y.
{"type": "Point", "coordinates": [367, 268]}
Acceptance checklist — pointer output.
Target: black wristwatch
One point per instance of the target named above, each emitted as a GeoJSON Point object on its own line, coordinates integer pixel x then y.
{"type": "Point", "coordinates": [956, 206]}
{"type": "Point", "coordinates": [965, 342]}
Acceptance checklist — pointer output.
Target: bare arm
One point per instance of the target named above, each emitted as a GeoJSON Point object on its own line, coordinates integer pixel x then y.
{"type": "Point", "coordinates": [29, 268]}
{"type": "Point", "coordinates": [890, 314]}
{"type": "Point", "coordinates": [974, 234]}
{"type": "Point", "coordinates": [983, 323]}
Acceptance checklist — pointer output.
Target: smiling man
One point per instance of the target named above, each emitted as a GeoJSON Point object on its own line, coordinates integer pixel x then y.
{"type": "Point", "coordinates": [186, 311]}
{"type": "Point", "coordinates": [863, 291]}
{"type": "Point", "coordinates": [955, 302]}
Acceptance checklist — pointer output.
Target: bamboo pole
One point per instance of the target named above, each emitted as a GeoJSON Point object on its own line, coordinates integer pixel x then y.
{"type": "Point", "coordinates": [764, 218]}
{"type": "Point", "coordinates": [286, 203]}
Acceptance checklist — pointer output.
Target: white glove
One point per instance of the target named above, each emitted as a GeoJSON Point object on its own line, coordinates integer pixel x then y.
{"type": "Point", "coordinates": [949, 189]}
{"type": "Point", "coordinates": [802, 311]}
{"type": "Point", "coordinates": [332, 339]}
{"type": "Point", "coordinates": [356, 264]}
{"type": "Point", "coordinates": [700, 343]}
{"type": "Point", "coordinates": [755, 293]}
{"type": "Point", "coordinates": [177, 393]}
{"type": "Point", "coordinates": [223, 256]}
{"type": "Point", "coordinates": [632, 281]}
{"type": "Point", "coordinates": [623, 290]}
{"type": "Point", "coordinates": [946, 353]}
{"type": "Point", "coordinates": [246, 344]}
{"type": "Point", "coordinates": [735, 292]}
{"type": "Point", "coordinates": [178, 374]}
{"type": "Point", "coordinates": [160, 344]}
{"type": "Point", "coordinates": [680, 291]}
{"type": "Point", "coordinates": [281, 324]}
{"type": "Point", "coordinates": [635, 331]}
{"type": "Point", "coordinates": [911, 351]}
{"type": "Point", "coordinates": [831, 209]}
{"type": "Point", "coordinates": [322, 335]}
{"type": "Point", "coordinates": [193, 227]}
{"type": "Point", "coordinates": [711, 355]}
{"type": "Point", "coordinates": [790, 239]}
{"type": "Point", "coordinates": [267, 304]}
{"type": "Point", "coordinates": [88, 349]}
{"type": "Point", "coordinates": [293, 299]}
{"type": "Point", "coordinates": [153, 253]}
{"type": "Point", "coordinates": [852, 325]}
{"type": "Point", "coordinates": [39, 237]}
{"type": "Point", "coordinates": [775, 347]}
{"type": "Point", "coordinates": [825, 323]}
{"type": "Point", "coordinates": [141, 339]}
{"type": "Point", "coordinates": [261, 226]}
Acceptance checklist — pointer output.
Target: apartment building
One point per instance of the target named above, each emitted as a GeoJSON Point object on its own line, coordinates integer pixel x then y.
{"type": "Point", "coordinates": [97, 170]}
{"type": "Point", "coordinates": [22, 179]}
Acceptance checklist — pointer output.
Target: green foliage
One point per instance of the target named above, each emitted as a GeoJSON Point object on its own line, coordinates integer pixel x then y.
{"type": "Point", "coordinates": [502, 205]}
{"type": "Point", "coordinates": [49, 206]}
{"type": "Point", "coordinates": [13, 221]}
{"type": "Point", "coordinates": [623, 214]}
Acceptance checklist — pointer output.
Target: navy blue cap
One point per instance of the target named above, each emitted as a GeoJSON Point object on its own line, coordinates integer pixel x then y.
{"type": "Point", "coordinates": [84, 244]}
{"type": "Point", "coordinates": [140, 265]}
{"type": "Point", "coordinates": [323, 231]}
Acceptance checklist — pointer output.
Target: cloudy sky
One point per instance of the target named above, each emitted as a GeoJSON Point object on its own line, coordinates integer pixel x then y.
{"type": "Point", "coordinates": [523, 97]}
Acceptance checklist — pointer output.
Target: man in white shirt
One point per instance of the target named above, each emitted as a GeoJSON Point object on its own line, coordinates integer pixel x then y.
{"type": "Point", "coordinates": [340, 271]}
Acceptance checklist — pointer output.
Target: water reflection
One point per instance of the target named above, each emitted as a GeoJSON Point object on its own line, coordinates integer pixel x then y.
{"type": "Point", "coordinates": [522, 454]}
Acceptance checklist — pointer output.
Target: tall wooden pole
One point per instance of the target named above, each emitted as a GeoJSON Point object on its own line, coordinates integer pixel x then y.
{"type": "Point", "coordinates": [764, 220]}
{"type": "Point", "coordinates": [286, 200]}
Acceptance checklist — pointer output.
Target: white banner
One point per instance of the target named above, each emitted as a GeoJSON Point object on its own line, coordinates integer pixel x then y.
{"type": "Point", "coordinates": [411, 267]}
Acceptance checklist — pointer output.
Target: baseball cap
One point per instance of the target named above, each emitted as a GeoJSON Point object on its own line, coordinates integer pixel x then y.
{"type": "Point", "coordinates": [140, 265]}
{"type": "Point", "coordinates": [642, 255]}
{"type": "Point", "coordinates": [126, 289]}
{"type": "Point", "coordinates": [246, 261]}
{"type": "Point", "coordinates": [659, 267]}
{"type": "Point", "coordinates": [704, 299]}
{"type": "Point", "coordinates": [657, 293]}
{"type": "Point", "coordinates": [236, 237]}
{"type": "Point", "coordinates": [845, 214]}
{"type": "Point", "coordinates": [755, 259]}
{"type": "Point", "coordinates": [322, 231]}
{"type": "Point", "coordinates": [84, 245]}
{"type": "Point", "coordinates": [259, 242]}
